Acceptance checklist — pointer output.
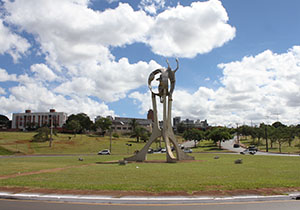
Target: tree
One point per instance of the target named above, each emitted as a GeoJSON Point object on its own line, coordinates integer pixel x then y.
{"type": "Point", "coordinates": [219, 134]}
{"type": "Point", "coordinates": [278, 124]}
{"type": "Point", "coordinates": [74, 125]}
{"type": "Point", "coordinates": [4, 121]}
{"type": "Point", "coordinates": [103, 123]}
{"type": "Point", "coordinates": [43, 135]}
{"type": "Point", "coordinates": [84, 121]}
{"type": "Point", "coordinates": [245, 130]}
{"type": "Point", "coordinates": [133, 123]}
{"type": "Point", "coordinates": [140, 133]}
{"type": "Point", "coordinates": [193, 134]}
{"type": "Point", "coordinates": [181, 127]}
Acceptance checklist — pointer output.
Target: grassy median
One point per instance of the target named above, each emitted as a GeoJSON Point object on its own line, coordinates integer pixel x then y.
{"type": "Point", "coordinates": [206, 173]}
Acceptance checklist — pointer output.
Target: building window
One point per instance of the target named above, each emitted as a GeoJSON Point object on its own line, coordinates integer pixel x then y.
{"type": "Point", "coordinates": [118, 128]}
{"type": "Point", "coordinates": [124, 128]}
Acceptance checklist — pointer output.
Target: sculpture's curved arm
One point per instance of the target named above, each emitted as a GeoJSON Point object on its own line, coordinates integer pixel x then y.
{"type": "Point", "coordinates": [168, 64]}
{"type": "Point", "coordinates": [177, 65]}
{"type": "Point", "coordinates": [152, 76]}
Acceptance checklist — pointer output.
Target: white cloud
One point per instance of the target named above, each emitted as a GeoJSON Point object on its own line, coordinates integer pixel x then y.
{"type": "Point", "coordinates": [34, 96]}
{"type": "Point", "coordinates": [77, 46]}
{"type": "Point", "coordinates": [261, 88]}
{"type": "Point", "coordinates": [42, 72]}
{"type": "Point", "coordinates": [12, 43]}
{"type": "Point", "coordinates": [2, 91]}
{"type": "Point", "coordinates": [81, 33]}
{"type": "Point", "coordinates": [151, 6]}
{"type": "Point", "coordinates": [4, 76]}
{"type": "Point", "coordinates": [191, 30]}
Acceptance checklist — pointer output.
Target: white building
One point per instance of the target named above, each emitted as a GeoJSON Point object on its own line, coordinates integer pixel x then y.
{"type": "Point", "coordinates": [38, 119]}
{"type": "Point", "coordinates": [123, 124]}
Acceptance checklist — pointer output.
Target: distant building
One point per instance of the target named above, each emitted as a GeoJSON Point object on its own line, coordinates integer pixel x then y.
{"type": "Point", "coordinates": [30, 119]}
{"type": "Point", "coordinates": [201, 124]}
{"type": "Point", "coordinates": [123, 124]}
{"type": "Point", "coordinates": [187, 123]}
{"type": "Point", "coordinates": [176, 121]}
{"type": "Point", "coordinates": [150, 115]}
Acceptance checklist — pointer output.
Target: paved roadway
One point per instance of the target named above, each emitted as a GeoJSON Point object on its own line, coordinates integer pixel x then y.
{"type": "Point", "coordinates": [247, 205]}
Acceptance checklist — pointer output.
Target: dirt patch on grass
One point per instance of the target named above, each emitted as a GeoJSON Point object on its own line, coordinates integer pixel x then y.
{"type": "Point", "coordinates": [52, 170]}
{"type": "Point", "coordinates": [117, 194]}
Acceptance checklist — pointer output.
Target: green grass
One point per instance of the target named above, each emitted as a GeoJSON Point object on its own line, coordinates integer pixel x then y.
{"type": "Point", "coordinates": [62, 144]}
{"type": "Point", "coordinates": [255, 172]}
{"type": "Point", "coordinates": [20, 142]}
{"type": "Point", "coordinates": [262, 145]}
{"type": "Point", "coordinates": [4, 151]}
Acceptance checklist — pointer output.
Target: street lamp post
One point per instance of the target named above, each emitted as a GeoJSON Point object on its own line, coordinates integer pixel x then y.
{"type": "Point", "coordinates": [266, 134]}
{"type": "Point", "coordinates": [51, 130]}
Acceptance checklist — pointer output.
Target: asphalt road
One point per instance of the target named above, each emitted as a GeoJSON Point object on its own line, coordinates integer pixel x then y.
{"type": "Point", "coordinates": [248, 205]}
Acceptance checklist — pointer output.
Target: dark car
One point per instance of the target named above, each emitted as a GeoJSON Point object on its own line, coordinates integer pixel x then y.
{"type": "Point", "coordinates": [236, 146]}
{"type": "Point", "coordinates": [252, 148]}
{"type": "Point", "coordinates": [247, 151]}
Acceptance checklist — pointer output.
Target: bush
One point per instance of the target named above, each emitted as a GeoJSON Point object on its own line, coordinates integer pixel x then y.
{"type": "Point", "coordinates": [115, 135]}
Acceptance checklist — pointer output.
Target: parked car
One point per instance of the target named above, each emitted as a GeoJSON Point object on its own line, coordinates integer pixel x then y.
{"type": "Point", "coordinates": [104, 152]}
{"type": "Point", "coordinates": [247, 151]}
{"type": "Point", "coordinates": [236, 146]}
{"type": "Point", "coordinates": [187, 150]}
{"type": "Point", "coordinates": [150, 150]}
{"type": "Point", "coordinates": [163, 150]}
{"type": "Point", "coordinates": [252, 148]}
{"type": "Point", "coordinates": [157, 150]}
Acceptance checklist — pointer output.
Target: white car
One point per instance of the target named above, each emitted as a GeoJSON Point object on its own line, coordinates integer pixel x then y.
{"type": "Point", "coordinates": [187, 150]}
{"type": "Point", "coordinates": [247, 151]}
{"type": "Point", "coordinates": [104, 152]}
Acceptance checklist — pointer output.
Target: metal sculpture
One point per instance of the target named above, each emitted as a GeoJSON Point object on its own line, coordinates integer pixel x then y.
{"type": "Point", "coordinates": [166, 80]}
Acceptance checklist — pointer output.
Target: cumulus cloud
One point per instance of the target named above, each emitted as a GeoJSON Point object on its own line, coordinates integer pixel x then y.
{"type": "Point", "coordinates": [4, 76]}
{"type": "Point", "coordinates": [11, 43]}
{"type": "Point", "coordinates": [151, 6]}
{"type": "Point", "coordinates": [2, 91]}
{"type": "Point", "coordinates": [34, 96]}
{"type": "Point", "coordinates": [43, 73]}
{"type": "Point", "coordinates": [261, 88]}
{"type": "Point", "coordinates": [77, 48]}
{"type": "Point", "coordinates": [191, 30]}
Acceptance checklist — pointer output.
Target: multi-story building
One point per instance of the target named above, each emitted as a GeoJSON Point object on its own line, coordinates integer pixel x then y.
{"type": "Point", "coordinates": [124, 124]}
{"type": "Point", "coordinates": [187, 123]}
{"type": "Point", "coordinates": [30, 119]}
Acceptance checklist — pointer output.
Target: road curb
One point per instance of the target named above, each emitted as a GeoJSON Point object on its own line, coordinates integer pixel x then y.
{"type": "Point", "coordinates": [142, 200]}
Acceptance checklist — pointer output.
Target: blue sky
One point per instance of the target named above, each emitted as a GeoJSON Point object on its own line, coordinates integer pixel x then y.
{"type": "Point", "coordinates": [239, 60]}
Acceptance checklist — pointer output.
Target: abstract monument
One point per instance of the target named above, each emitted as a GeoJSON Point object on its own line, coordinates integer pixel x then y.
{"type": "Point", "coordinates": [165, 91]}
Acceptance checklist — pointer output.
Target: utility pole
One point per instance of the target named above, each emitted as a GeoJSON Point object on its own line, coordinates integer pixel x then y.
{"type": "Point", "coordinates": [266, 135]}
{"type": "Point", "coordinates": [237, 132]}
{"type": "Point", "coordinates": [51, 130]}
{"type": "Point", "coordinates": [110, 138]}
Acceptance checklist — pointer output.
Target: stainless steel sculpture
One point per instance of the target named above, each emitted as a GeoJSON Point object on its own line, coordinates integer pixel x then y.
{"type": "Point", "coordinates": [167, 77]}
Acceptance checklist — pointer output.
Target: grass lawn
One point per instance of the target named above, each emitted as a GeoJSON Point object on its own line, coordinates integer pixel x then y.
{"type": "Point", "coordinates": [206, 174]}
{"type": "Point", "coordinates": [20, 142]}
{"type": "Point", "coordinates": [262, 145]}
